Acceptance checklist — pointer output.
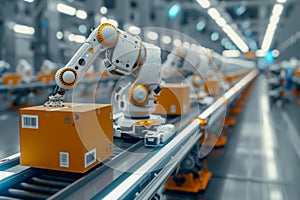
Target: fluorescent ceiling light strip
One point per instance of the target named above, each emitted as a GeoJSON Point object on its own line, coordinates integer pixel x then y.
{"type": "Point", "coordinates": [63, 8]}
{"type": "Point", "coordinates": [277, 9]}
{"type": "Point", "coordinates": [231, 53]}
{"type": "Point", "coordinates": [271, 29]}
{"type": "Point", "coordinates": [236, 39]}
{"type": "Point", "coordinates": [28, 30]}
{"type": "Point", "coordinates": [203, 3]}
{"type": "Point", "coordinates": [221, 22]}
{"type": "Point", "coordinates": [213, 13]}
{"type": "Point", "coordinates": [281, 1]}
{"type": "Point", "coordinates": [260, 53]}
{"type": "Point", "coordinates": [81, 14]}
{"type": "Point", "coordinates": [274, 19]}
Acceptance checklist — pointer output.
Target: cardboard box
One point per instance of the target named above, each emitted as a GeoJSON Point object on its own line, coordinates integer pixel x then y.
{"type": "Point", "coordinates": [73, 138]}
{"type": "Point", "coordinates": [174, 99]}
{"type": "Point", "coordinates": [46, 78]}
{"type": "Point", "coordinates": [212, 86]}
{"type": "Point", "coordinates": [11, 79]}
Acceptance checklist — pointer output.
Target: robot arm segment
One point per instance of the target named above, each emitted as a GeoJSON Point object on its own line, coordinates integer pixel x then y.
{"type": "Point", "coordinates": [102, 38]}
{"type": "Point", "coordinates": [123, 53]}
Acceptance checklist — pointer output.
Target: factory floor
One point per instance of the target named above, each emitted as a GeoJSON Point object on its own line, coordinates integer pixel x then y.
{"type": "Point", "coordinates": [260, 160]}
{"type": "Point", "coordinates": [262, 156]}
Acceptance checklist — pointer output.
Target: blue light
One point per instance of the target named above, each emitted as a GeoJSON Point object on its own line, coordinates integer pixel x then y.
{"type": "Point", "coordinates": [269, 58]}
{"type": "Point", "coordinates": [173, 11]}
{"type": "Point", "coordinates": [214, 36]}
{"type": "Point", "coordinates": [45, 24]}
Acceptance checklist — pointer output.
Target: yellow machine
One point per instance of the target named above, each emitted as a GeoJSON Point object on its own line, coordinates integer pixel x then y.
{"type": "Point", "coordinates": [192, 174]}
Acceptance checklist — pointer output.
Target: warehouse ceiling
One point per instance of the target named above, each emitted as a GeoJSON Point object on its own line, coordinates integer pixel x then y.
{"type": "Point", "coordinates": [238, 25]}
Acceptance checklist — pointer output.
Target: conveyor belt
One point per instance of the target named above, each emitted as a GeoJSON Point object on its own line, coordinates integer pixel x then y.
{"type": "Point", "coordinates": [41, 184]}
{"type": "Point", "coordinates": [133, 168]}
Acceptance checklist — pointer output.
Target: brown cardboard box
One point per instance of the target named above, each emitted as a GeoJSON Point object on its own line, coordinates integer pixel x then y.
{"type": "Point", "coordinates": [66, 138]}
{"type": "Point", "coordinates": [174, 99]}
{"type": "Point", "coordinates": [45, 78]}
{"type": "Point", "coordinates": [212, 86]}
{"type": "Point", "coordinates": [11, 79]}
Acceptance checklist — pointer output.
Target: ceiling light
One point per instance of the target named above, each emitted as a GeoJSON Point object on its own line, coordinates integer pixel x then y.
{"type": "Point", "coordinates": [103, 20]}
{"type": "Point", "coordinates": [277, 9]}
{"type": "Point", "coordinates": [231, 53]}
{"type": "Point", "coordinates": [152, 35]}
{"type": "Point", "coordinates": [173, 11]}
{"type": "Point", "coordinates": [63, 8]}
{"type": "Point", "coordinates": [214, 36]}
{"type": "Point", "coordinates": [29, 1]}
{"type": "Point", "coordinates": [81, 14]}
{"type": "Point", "coordinates": [271, 28]}
{"type": "Point", "coordinates": [221, 22]}
{"type": "Point", "coordinates": [76, 38]}
{"type": "Point", "coordinates": [134, 30]}
{"type": "Point", "coordinates": [194, 47]}
{"type": "Point", "coordinates": [274, 19]}
{"type": "Point", "coordinates": [246, 24]}
{"type": "Point", "coordinates": [267, 40]}
{"type": "Point", "coordinates": [228, 45]}
{"type": "Point", "coordinates": [59, 35]}
{"type": "Point", "coordinates": [224, 41]}
{"type": "Point", "coordinates": [28, 30]}
{"type": "Point", "coordinates": [113, 22]}
{"type": "Point", "coordinates": [227, 29]}
{"type": "Point", "coordinates": [275, 53]}
{"type": "Point", "coordinates": [260, 53]}
{"type": "Point", "coordinates": [166, 39]}
{"type": "Point", "coordinates": [203, 3]}
{"type": "Point", "coordinates": [71, 37]}
{"type": "Point", "coordinates": [103, 10]}
{"type": "Point", "coordinates": [236, 39]}
{"type": "Point", "coordinates": [177, 42]}
{"type": "Point", "coordinates": [79, 38]}
{"type": "Point", "coordinates": [239, 9]}
{"type": "Point", "coordinates": [82, 28]}
{"type": "Point", "coordinates": [213, 13]}
{"type": "Point", "coordinates": [281, 1]}
{"type": "Point", "coordinates": [186, 45]}
{"type": "Point", "coordinates": [201, 25]}
{"type": "Point", "coordinates": [269, 34]}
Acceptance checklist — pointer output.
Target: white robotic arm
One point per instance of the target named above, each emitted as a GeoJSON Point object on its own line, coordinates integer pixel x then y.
{"type": "Point", "coordinates": [25, 70]}
{"type": "Point", "coordinates": [192, 64]}
{"type": "Point", "coordinates": [48, 66]}
{"type": "Point", "coordinates": [124, 54]}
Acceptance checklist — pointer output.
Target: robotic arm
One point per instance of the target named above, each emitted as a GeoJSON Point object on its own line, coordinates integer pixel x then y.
{"type": "Point", "coordinates": [192, 64]}
{"type": "Point", "coordinates": [25, 70]}
{"type": "Point", "coordinates": [124, 54]}
{"type": "Point", "coordinates": [48, 66]}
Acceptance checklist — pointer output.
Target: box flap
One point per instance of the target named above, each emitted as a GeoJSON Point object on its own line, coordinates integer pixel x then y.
{"type": "Point", "coordinates": [69, 107]}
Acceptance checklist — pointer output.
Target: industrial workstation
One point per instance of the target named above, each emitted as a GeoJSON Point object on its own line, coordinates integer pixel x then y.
{"type": "Point", "coordinates": [149, 99]}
